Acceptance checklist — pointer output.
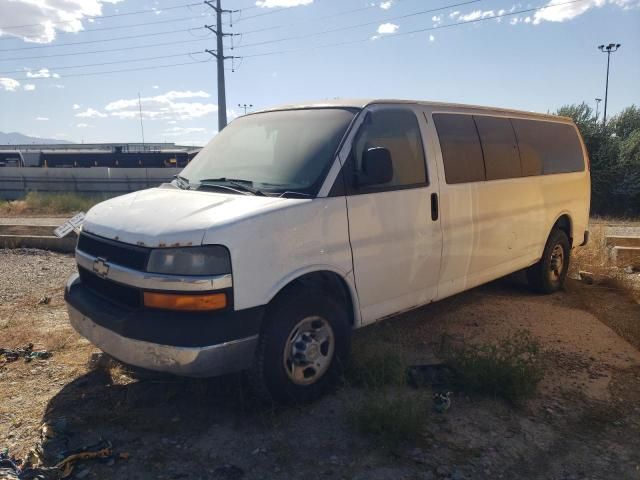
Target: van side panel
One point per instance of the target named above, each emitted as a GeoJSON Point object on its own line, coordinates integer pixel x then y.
{"type": "Point", "coordinates": [493, 228]}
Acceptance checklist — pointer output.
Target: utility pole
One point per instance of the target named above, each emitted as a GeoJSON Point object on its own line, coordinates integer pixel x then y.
{"type": "Point", "coordinates": [245, 106]}
{"type": "Point", "coordinates": [598, 100]}
{"type": "Point", "coordinates": [220, 57]}
{"type": "Point", "coordinates": [608, 49]}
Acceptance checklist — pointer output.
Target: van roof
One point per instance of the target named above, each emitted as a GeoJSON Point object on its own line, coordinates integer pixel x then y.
{"type": "Point", "coordinates": [363, 102]}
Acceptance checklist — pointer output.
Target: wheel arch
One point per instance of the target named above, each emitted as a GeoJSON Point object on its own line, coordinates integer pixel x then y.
{"type": "Point", "coordinates": [564, 223]}
{"type": "Point", "coordinates": [330, 280]}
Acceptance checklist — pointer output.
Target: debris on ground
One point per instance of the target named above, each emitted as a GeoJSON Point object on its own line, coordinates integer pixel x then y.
{"type": "Point", "coordinates": [45, 300]}
{"type": "Point", "coordinates": [27, 352]}
{"type": "Point", "coordinates": [14, 469]}
{"type": "Point", "coordinates": [441, 401]}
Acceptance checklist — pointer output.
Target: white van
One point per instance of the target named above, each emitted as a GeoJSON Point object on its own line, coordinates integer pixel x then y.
{"type": "Point", "coordinates": [298, 224]}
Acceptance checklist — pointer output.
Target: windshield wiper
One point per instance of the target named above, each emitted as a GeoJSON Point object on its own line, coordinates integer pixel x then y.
{"type": "Point", "coordinates": [240, 184]}
{"type": "Point", "coordinates": [182, 182]}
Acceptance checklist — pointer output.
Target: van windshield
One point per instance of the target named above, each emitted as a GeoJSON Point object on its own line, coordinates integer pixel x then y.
{"type": "Point", "coordinates": [272, 152]}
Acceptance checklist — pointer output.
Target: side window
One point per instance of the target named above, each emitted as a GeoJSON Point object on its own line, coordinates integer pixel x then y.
{"type": "Point", "coordinates": [548, 147]}
{"type": "Point", "coordinates": [501, 158]}
{"type": "Point", "coordinates": [397, 130]}
{"type": "Point", "coordinates": [460, 145]}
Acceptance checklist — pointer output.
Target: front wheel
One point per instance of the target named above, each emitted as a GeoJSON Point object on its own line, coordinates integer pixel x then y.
{"type": "Point", "coordinates": [303, 345]}
{"type": "Point", "coordinates": [548, 275]}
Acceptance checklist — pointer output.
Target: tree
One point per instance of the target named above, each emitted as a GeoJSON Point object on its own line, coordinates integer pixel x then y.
{"type": "Point", "coordinates": [614, 151]}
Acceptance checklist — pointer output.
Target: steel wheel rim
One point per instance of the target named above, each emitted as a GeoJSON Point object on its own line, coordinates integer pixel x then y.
{"type": "Point", "coordinates": [309, 350]}
{"type": "Point", "coordinates": [556, 265]}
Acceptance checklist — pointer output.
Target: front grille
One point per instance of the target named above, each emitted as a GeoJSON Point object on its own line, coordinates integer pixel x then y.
{"type": "Point", "coordinates": [130, 256]}
{"type": "Point", "coordinates": [114, 292]}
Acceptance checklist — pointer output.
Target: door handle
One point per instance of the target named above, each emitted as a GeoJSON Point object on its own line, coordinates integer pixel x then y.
{"type": "Point", "coordinates": [434, 206]}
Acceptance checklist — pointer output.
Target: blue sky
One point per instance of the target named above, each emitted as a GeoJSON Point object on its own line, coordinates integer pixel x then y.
{"type": "Point", "coordinates": [536, 61]}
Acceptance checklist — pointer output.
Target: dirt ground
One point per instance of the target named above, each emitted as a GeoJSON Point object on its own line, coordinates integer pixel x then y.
{"type": "Point", "coordinates": [584, 422]}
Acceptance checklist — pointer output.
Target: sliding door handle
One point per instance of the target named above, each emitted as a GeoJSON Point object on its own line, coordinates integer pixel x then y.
{"type": "Point", "coordinates": [434, 206]}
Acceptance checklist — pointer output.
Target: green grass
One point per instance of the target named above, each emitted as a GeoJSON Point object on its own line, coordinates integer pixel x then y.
{"type": "Point", "coordinates": [375, 365]}
{"type": "Point", "coordinates": [51, 203]}
{"type": "Point", "coordinates": [389, 419]}
{"type": "Point", "coordinates": [510, 369]}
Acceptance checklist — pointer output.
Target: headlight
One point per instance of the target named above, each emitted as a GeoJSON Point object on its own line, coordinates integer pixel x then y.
{"type": "Point", "coordinates": [209, 260]}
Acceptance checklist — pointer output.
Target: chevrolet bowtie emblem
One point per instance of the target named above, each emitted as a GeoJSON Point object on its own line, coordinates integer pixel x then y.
{"type": "Point", "coordinates": [101, 267]}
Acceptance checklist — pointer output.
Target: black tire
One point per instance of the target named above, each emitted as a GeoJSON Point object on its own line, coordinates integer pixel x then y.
{"type": "Point", "coordinates": [268, 376]}
{"type": "Point", "coordinates": [547, 276]}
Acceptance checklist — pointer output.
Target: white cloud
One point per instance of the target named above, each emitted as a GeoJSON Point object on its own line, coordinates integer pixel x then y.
{"type": "Point", "coordinates": [437, 18]}
{"type": "Point", "coordinates": [9, 84]}
{"type": "Point", "coordinates": [29, 87]}
{"type": "Point", "coordinates": [46, 17]}
{"type": "Point", "coordinates": [432, 38]}
{"type": "Point", "coordinates": [155, 87]}
{"type": "Point", "coordinates": [83, 125]}
{"type": "Point", "coordinates": [42, 73]}
{"type": "Point", "coordinates": [475, 15]}
{"type": "Point", "coordinates": [569, 11]}
{"type": "Point", "coordinates": [386, 5]}
{"type": "Point", "coordinates": [91, 113]}
{"type": "Point", "coordinates": [454, 14]}
{"type": "Point", "coordinates": [282, 3]}
{"type": "Point", "coordinates": [76, 106]}
{"type": "Point", "coordinates": [42, 119]}
{"type": "Point", "coordinates": [387, 28]}
{"type": "Point", "coordinates": [164, 107]}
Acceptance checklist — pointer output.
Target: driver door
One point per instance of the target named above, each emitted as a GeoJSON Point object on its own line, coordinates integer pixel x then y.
{"type": "Point", "coordinates": [394, 228]}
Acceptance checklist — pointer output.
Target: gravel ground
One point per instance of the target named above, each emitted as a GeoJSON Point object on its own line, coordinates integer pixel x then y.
{"type": "Point", "coordinates": [584, 422]}
{"type": "Point", "coordinates": [29, 274]}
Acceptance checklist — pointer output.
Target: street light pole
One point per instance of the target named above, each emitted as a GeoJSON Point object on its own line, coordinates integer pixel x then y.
{"type": "Point", "coordinates": [598, 100]}
{"type": "Point", "coordinates": [245, 106]}
{"type": "Point", "coordinates": [608, 49]}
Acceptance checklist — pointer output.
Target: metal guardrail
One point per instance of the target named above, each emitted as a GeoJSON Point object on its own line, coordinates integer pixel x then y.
{"type": "Point", "coordinates": [15, 183]}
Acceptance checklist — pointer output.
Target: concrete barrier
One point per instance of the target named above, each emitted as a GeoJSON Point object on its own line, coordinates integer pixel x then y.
{"type": "Point", "coordinates": [16, 182]}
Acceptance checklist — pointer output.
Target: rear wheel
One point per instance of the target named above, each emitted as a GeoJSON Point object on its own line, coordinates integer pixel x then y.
{"type": "Point", "coordinates": [548, 275]}
{"type": "Point", "coordinates": [304, 342]}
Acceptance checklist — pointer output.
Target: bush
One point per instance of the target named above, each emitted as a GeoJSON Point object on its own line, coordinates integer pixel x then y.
{"type": "Point", "coordinates": [510, 369]}
{"type": "Point", "coordinates": [389, 419]}
{"type": "Point", "coordinates": [375, 366]}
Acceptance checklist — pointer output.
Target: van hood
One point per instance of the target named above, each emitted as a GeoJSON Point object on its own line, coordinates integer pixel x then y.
{"type": "Point", "coordinates": [167, 216]}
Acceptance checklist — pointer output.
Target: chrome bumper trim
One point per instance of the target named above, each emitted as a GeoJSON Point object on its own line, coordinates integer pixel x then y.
{"type": "Point", "coordinates": [155, 281]}
{"type": "Point", "coordinates": [208, 361]}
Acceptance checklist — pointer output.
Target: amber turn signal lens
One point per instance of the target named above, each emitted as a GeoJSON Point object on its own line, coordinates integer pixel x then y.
{"type": "Point", "coordinates": [177, 301]}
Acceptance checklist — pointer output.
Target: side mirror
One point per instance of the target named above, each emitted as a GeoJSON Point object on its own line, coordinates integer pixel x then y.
{"type": "Point", "coordinates": [377, 167]}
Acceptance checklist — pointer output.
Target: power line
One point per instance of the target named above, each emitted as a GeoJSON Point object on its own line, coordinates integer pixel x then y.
{"type": "Point", "coordinates": [187, 5]}
{"type": "Point", "coordinates": [315, 19]}
{"type": "Point", "coordinates": [438, 27]}
{"type": "Point", "coordinates": [120, 49]}
{"type": "Point", "coordinates": [86, 42]}
{"type": "Point", "coordinates": [349, 27]}
{"type": "Point", "coordinates": [154, 67]}
{"type": "Point", "coordinates": [118, 27]}
{"type": "Point", "coordinates": [100, 64]}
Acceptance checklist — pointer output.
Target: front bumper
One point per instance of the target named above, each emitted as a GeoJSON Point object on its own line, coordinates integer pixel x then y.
{"type": "Point", "coordinates": [196, 345]}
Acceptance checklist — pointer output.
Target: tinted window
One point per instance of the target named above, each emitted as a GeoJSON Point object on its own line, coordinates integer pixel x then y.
{"type": "Point", "coordinates": [548, 147]}
{"type": "Point", "coordinates": [460, 145]}
{"type": "Point", "coordinates": [396, 130]}
{"type": "Point", "coordinates": [501, 158]}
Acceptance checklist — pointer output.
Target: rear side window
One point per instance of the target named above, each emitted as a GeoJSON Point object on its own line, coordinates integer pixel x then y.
{"type": "Point", "coordinates": [398, 131]}
{"type": "Point", "coordinates": [548, 147]}
{"type": "Point", "coordinates": [501, 158]}
{"type": "Point", "coordinates": [460, 145]}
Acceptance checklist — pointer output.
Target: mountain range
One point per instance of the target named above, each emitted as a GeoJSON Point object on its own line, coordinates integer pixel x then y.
{"type": "Point", "coordinates": [15, 138]}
